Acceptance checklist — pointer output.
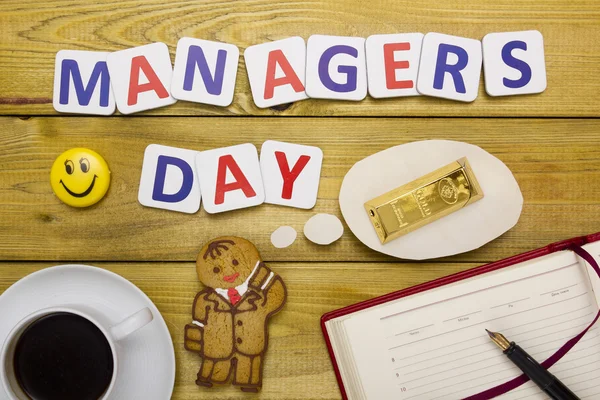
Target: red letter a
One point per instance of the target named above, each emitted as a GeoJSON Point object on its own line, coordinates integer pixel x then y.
{"type": "Point", "coordinates": [137, 63]}
{"type": "Point", "coordinates": [289, 177]}
{"type": "Point", "coordinates": [227, 162]}
{"type": "Point", "coordinates": [289, 78]}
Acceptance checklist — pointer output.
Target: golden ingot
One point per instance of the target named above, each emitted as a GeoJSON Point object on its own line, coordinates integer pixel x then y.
{"type": "Point", "coordinates": [424, 200]}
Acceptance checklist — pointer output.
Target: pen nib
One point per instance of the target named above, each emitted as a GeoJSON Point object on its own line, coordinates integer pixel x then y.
{"type": "Point", "coordinates": [499, 339]}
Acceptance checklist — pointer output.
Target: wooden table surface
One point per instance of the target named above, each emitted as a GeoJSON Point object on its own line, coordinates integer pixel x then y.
{"type": "Point", "coordinates": [550, 141]}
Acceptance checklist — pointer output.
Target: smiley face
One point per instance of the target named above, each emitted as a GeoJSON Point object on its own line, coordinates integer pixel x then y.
{"type": "Point", "coordinates": [80, 177]}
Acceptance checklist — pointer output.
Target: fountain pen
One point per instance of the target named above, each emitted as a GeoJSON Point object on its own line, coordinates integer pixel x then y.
{"type": "Point", "coordinates": [550, 384]}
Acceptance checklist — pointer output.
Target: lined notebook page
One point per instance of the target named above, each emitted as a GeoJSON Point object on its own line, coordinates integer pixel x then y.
{"type": "Point", "coordinates": [433, 345]}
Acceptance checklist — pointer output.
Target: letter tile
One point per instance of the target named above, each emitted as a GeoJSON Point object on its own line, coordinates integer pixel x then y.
{"type": "Point", "coordinates": [82, 83]}
{"type": "Point", "coordinates": [141, 77]}
{"type": "Point", "coordinates": [205, 71]}
{"type": "Point", "coordinates": [450, 67]}
{"type": "Point", "coordinates": [393, 64]}
{"type": "Point", "coordinates": [290, 173]}
{"type": "Point", "coordinates": [513, 63]}
{"type": "Point", "coordinates": [336, 68]}
{"type": "Point", "coordinates": [230, 178]}
{"type": "Point", "coordinates": [276, 71]}
{"type": "Point", "coordinates": [168, 179]}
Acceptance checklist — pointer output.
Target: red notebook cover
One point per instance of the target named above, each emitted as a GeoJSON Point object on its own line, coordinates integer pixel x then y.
{"type": "Point", "coordinates": [483, 269]}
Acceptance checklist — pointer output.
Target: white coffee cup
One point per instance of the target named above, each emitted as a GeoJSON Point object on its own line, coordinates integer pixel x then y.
{"type": "Point", "coordinates": [113, 333]}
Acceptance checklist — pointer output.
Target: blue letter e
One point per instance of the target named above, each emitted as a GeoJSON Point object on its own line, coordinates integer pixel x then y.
{"type": "Point", "coordinates": [442, 67]}
{"type": "Point", "coordinates": [84, 94]}
{"type": "Point", "coordinates": [161, 173]}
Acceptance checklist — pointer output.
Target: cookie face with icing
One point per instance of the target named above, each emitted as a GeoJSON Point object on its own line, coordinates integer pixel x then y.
{"type": "Point", "coordinates": [226, 262]}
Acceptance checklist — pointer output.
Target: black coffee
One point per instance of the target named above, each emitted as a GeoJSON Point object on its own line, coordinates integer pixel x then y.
{"type": "Point", "coordinates": [63, 356]}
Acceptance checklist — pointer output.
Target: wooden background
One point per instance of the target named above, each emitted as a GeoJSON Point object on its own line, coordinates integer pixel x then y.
{"type": "Point", "coordinates": [550, 141]}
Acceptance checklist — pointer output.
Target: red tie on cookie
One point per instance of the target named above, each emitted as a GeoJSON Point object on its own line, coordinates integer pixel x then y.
{"type": "Point", "coordinates": [234, 295]}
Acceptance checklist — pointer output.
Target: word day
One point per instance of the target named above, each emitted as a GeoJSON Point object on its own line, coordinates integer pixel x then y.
{"type": "Point", "coordinates": [290, 70]}
{"type": "Point", "coordinates": [230, 178]}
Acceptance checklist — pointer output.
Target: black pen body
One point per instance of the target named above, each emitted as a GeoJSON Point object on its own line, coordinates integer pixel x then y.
{"type": "Point", "coordinates": [538, 374]}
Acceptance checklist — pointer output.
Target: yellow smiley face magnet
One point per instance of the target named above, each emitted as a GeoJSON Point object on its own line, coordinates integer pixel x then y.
{"type": "Point", "coordinates": [80, 177]}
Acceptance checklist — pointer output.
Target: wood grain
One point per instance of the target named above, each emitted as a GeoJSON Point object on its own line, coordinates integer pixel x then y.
{"type": "Point", "coordinates": [297, 364]}
{"type": "Point", "coordinates": [556, 163]}
{"type": "Point", "coordinates": [31, 32]}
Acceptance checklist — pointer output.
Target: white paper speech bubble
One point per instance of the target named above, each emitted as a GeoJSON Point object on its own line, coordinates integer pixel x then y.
{"type": "Point", "coordinates": [464, 230]}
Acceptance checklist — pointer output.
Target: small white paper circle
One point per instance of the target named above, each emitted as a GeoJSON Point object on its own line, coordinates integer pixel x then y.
{"type": "Point", "coordinates": [283, 237]}
{"type": "Point", "coordinates": [323, 229]}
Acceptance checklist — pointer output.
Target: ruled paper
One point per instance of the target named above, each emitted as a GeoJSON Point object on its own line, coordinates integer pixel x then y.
{"type": "Point", "coordinates": [433, 345]}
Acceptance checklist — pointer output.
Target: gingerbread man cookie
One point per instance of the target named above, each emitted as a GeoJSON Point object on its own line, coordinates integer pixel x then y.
{"type": "Point", "coordinates": [230, 316]}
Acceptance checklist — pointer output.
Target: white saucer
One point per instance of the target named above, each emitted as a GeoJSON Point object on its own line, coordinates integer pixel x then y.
{"type": "Point", "coordinates": [148, 368]}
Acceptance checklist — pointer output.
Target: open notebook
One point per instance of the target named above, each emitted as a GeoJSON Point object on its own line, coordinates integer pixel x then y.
{"type": "Point", "coordinates": [429, 342]}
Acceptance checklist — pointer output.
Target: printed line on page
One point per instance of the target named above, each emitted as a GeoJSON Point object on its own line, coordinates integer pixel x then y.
{"type": "Point", "coordinates": [538, 276]}
{"type": "Point", "coordinates": [593, 378]}
{"type": "Point", "coordinates": [579, 366]}
{"type": "Point", "coordinates": [493, 365]}
{"type": "Point", "coordinates": [573, 385]}
{"type": "Point", "coordinates": [487, 367]}
{"type": "Point", "coordinates": [473, 387]}
{"type": "Point", "coordinates": [510, 302]}
{"type": "Point", "coordinates": [490, 320]}
{"type": "Point", "coordinates": [553, 332]}
{"type": "Point", "coordinates": [582, 373]}
{"type": "Point", "coordinates": [458, 383]}
{"type": "Point", "coordinates": [482, 352]}
{"type": "Point", "coordinates": [411, 330]}
{"type": "Point", "coordinates": [462, 316]}
{"type": "Point", "coordinates": [587, 396]}
{"type": "Point", "coordinates": [543, 319]}
{"type": "Point", "coordinates": [507, 329]}
{"type": "Point", "coordinates": [447, 394]}
{"type": "Point", "coordinates": [541, 344]}
{"type": "Point", "coordinates": [490, 366]}
{"type": "Point", "coordinates": [556, 290]}
{"type": "Point", "coordinates": [487, 384]}
{"type": "Point", "coordinates": [549, 326]}
{"type": "Point", "coordinates": [490, 358]}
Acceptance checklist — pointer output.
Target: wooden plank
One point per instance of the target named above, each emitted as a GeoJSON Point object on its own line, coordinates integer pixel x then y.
{"type": "Point", "coordinates": [556, 163]}
{"type": "Point", "coordinates": [297, 364]}
{"type": "Point", "coordinates": [31, 32]}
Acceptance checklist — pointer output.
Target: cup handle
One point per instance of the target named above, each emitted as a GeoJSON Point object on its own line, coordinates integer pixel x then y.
{"type": "Point", "coordinates": [131, 324]}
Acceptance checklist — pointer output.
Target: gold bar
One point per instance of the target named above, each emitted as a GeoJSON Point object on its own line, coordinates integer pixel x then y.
{"type": "Point", "coordinates": [424, 200]}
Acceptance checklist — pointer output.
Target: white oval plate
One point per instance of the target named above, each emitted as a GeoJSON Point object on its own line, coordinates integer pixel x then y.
{"type": "Point", "coordinates": [466, 229]}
